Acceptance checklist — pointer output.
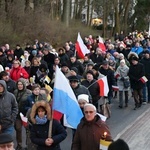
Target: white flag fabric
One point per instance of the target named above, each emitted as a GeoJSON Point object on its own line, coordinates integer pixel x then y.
{"type": "Point", "coordinates": [64, 100]}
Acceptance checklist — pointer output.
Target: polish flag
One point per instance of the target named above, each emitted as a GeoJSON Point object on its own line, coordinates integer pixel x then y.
{"type": "Point", "coordinates": [81, 47]}
{"type": "Point", "coordinates": [24, 120]}
{"type": "Point", "coordinates": [103, 84]}
{"type": "Point", "coordinates": [101, 44]}
{"type": "Point", "coordinates": [115, 88]}
{"type": "Point", "coordinates": [143, 79]}
{"type": "Point", "coordinates": [117, 75]}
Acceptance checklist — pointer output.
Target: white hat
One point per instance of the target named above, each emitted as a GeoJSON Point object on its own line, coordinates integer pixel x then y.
{"type": "Point", "coordinates": [123, 61]}
{"type": "Point", "coordinates": [121, 55]}
{"type": "Point", "coordinates": [83, 97]}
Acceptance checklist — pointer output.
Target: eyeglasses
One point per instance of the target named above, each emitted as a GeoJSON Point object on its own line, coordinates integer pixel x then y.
{"type": "Point", "coordinates": [88, 112]}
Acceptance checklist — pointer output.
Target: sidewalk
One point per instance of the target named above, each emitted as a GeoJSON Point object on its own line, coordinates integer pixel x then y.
{"type": "Point", "coordinates": [137, 134]}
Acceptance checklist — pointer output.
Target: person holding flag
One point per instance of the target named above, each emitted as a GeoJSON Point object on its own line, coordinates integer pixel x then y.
{"type": "Point", "coordinates": [109, 73]}
{"type": "Point", "coordinates": [46, 132]}
{"type": "Point", "coordinates": [93, 87]}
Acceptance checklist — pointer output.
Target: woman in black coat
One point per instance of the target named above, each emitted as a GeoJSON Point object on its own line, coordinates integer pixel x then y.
{"type": "Point", "coordinates": [40, 128]}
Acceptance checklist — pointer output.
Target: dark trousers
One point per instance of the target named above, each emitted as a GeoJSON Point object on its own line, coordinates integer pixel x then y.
{"type": "Point", "coordinates": [138, 96]}
{"type": "Point", "coordinates": [18, 128]}
{"type": "Point", "coordinates": [121, 97]}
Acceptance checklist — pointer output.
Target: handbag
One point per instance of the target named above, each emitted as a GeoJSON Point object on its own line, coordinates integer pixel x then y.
{"type": "Point", "coordinates": [126, 83]}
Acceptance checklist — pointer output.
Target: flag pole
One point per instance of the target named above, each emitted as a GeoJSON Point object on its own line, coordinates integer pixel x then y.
{"type": "Point", "coordinates": [93, 83]}
{"type": "Point", "coordinates": [50, 128]}
{"type": "Point", "coordinates": [51, 121]}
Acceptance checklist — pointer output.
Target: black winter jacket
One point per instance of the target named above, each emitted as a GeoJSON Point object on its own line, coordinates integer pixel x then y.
{"type": "Point", "coordinates": [8, 108]}
{"type": "Point", "coordinates": [39, 133]}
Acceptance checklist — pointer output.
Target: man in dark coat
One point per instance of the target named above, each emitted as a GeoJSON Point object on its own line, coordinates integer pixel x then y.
{"type": "Point", "coordinates": [9, 109]}
{"type": "Point", "coordinates": [146, 88]}
{"type": "Point", "coordinates": [78, 88]}
{"type": "Point", "coordinates": [93, 87]}
{"type": "Point", "coordinates": [136, 71]}
{"type": "Point", "coordinates": [75, 63]}
{"type": "Point", "coordinates": [90, 130]}
{"type": "Point", "coordinates": [11, 85]}
{"type": "Point", "coordinates": [107, 71]}
{"type": "Point", "coordinates": [49, 58]}
{"type": "Point", "coordinates": [18, 52]}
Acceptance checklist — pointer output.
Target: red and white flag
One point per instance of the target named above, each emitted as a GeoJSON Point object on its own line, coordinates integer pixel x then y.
{"type": "Point", "coordinates": [24, 120]}
{"type": "Point", "coordinates": [143, 79]}
{"type": "Point", "coordinates": [117, 75]}
{"type": "Point", "coordinates": [81, 47]}
{"type": "Point", "coordinates": [101, 44]}
{"type": "Point", "coordinates": [115, 88]}
{"type": "Point", "coordinates": [104, 89]}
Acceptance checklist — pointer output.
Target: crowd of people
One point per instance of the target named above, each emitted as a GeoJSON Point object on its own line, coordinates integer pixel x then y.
{"type": "Point", "coordinates": [27, 77]}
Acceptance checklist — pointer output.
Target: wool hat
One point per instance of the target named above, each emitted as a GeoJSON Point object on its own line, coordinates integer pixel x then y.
{"type": "Point", "coordinates": [34, 52]}
{"type": "Point", "coordinates": [121, 55]}
{"type": "Point", "coordinates": [64, 65]}
{"type": "Point", "coordinates": [73, 78]}
{"type": "Point", "coordinates": [146, 52]}
{"type": "Point", "coordinates": [83, 97]}
{"type": "Point", "coordinates": [90, 72]}
{"type": "Point", "coordinates": [5, 138]}
{"type": "Point", "coordinates": [43, 68]}
{"type": "Point", "coordinates": [105, 62]}
{"type": "Point", "coordinates": [122, 61]}
{"type": "Point", "coordinates": [74, 69]}
{"type": "Point", "coordinates": [112, 58]}
{"type": "Point", "coordinates": [96, 67]}
{"type": "Point", "coordinates": [90, 64]}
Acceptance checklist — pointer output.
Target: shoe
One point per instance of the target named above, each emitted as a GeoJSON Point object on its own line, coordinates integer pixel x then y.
{"type": "Point", "coordinates": [139, 105]}
{"type": "Point", "coordinates": [144, 103]}
{"type": "Point", "coordinates": [115, 97]}
{"type": "Point", "coordinates": [19, 147]}
{"type": "Point", "coordinates": [120, 106]}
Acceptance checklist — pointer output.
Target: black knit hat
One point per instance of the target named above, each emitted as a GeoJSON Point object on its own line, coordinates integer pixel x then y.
{"type": "Point", "coordinates": [5, 138]}
{"type": "Point", "coordinates": [64, 65]}
{"type": "Point", "coordinates": [73, 78]}
{"type": "Point", "coordinates": [74, 69]}
{"type": "Point", "coordinates": [90, 72]}
{"type": "Point", "coordinates": [96, 67]}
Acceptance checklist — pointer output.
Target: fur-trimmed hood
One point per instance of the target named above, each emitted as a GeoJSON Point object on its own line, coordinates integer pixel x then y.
{"type": "Point", "coordinates": [132, 54]}
{"type": "Point", "coordinates": [34, 109]}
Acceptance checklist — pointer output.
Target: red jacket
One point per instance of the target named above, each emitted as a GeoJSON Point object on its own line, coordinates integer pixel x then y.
{"type": "Point", "coordinates": [17, 73]}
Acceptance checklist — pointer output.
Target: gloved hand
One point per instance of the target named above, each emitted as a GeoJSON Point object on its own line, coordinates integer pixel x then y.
{"type": "Point", "coordinates": [122, 79]}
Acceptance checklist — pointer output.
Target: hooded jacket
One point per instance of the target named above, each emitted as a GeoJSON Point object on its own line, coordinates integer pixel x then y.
{"type": "Point", "coordinates": [39, 132]}
{"type": "Point", "coordinates": [8, 107]}
{"type": "Point", "coordinates": [21, 96]}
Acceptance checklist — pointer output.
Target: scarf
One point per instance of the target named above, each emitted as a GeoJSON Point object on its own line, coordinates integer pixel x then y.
{"type": "Point", "coordinates": [40, 120]}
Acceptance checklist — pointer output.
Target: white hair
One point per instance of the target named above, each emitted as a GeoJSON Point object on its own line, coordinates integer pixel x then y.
{"type": "Point", "coordinates": [90, 105]}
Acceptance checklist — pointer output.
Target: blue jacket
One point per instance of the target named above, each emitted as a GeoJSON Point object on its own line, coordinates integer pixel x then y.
{"type": "Point", "coordinates": [137, 50]}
